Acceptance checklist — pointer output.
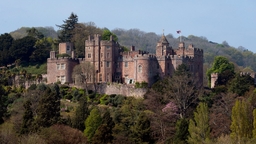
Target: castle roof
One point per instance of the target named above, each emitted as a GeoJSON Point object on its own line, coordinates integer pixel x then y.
{"type": "Point", "coordinates": [163, 40]}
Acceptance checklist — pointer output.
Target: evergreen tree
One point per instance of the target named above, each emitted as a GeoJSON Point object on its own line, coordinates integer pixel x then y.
{"type": "Point", "coordinates": [104, 132]}
{"type": "Point", "coordinates": [92, 123]}
{"type": "Point", "coordinates": [254, 123]}
{"type": "Point", "coordinates": [66, 32]}
{"type": "Point", "coordinates": [141, 130]}
{"type": "Point", "coordinates": [181, 134]}
{"type": "Point", "coordinates": [81, 114]}
{"type": "Point", "coordinates": [27, 118]}
{"type": "Point", "coordinates": [48, 109]}
{"type": "Point", "coordinates": [240, 125]}
{"type": "Point", "coordinates": [199, 129]}
{"type": "Point", "coordinates": [3, 106]}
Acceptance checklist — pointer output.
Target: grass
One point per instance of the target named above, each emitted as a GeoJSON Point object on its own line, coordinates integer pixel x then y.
{"type": "Point", "coordinates": [36, 69]}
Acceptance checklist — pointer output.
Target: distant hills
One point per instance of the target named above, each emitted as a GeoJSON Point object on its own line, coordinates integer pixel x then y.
{"type": "Point", "coordinates": [244, 59]}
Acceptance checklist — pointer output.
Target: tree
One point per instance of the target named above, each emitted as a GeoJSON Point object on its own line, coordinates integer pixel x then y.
{"type": "Point", "coordinates": [241, 83]}
{"type": "Point", "coordinates": [84, 73]}
{"type": "Point", "coordinates": [81, 114]}
{"type": "Point", "coordinates": [92, 123]}
{"type": "Point", "coordinates": [48, 109]}
{"type": "Point", "coordinates": [220, 65]}
{"type": "Point", "coordinates": [141, 130]}
{"type": "Point", "coordinates": [185, 89]}
{"type": "Point", "coordinates": [33, 32]}
{"type": "Point", "coordinates": [22, 48]}
{"type": "Point", "coordinates": [199, 131]}
{"type": "Point", "coordinates": [66, 32]}
{"type": "Point", "coordinates": [27, 118]}
{"type": "Point", "coordinates": [3, 106]}
{"type": "Point", "coordinates": [42, 50]}
{"type": "Point", "coordinates": [181, 134]}
{"type": "Point", "coordinates": [107, 34]}
{"type": "Point", "coordinates": [6, 41]}
{"type": "Point", "coordinates": [254, 123]}
{"type": "Point", "coordinates": [104, 132]}
{"type": "Point", "coordinates": [241, 127]}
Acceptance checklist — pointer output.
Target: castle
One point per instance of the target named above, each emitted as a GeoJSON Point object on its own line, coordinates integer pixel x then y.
{"type": "Point", "coordinates": [113, 64]}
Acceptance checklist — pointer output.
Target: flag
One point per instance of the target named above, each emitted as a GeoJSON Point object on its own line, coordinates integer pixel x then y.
{"type": "Point", "coordinates": [178, 32]}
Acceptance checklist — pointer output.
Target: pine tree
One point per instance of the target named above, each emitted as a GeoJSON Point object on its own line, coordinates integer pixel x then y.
{"type": "Point", "coordinates": [254, 123]}
{"type": "Point", "coordinates": [92, 123]}
{"type": "Point", "coordinates": [67, 28]}
{"type": "Point", "coordinates": [49, 109]}
{"type": "Point", "coordinates": [199, 127]}
{"type": "Point", "coordinates": [181, 134]}
{"type": "Point", "coordinates": [3, 106]}
{"type": "Point", "coordinates": [104, 132]}
{"type": "Point", "coordinates": [82, 113]}
{"type": "Point", "coordinates": [27, 118]}
{"type": "Point", "coordinates": [141, 130]}
{"type": "Point", "coordinates": [240, 125]}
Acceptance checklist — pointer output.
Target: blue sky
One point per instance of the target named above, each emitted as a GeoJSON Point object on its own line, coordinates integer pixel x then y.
{"type": "Point", "coordinates": [233, 21]}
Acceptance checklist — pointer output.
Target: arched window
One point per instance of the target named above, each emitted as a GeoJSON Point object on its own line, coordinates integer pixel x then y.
{"type": "Point", "coordinates": [140, 68]}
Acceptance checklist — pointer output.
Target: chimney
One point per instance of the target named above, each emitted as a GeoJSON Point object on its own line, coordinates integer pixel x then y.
{"type": "Point", "coordinates": [181, 45]}
{"type": "Point", "coordinates": [72, 54]}
{"type": "Point", "coordinates": [52, 54]}
{"type": "Point", "coordinates": [132, 48]}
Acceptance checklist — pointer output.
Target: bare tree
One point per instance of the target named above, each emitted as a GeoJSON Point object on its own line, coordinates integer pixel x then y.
{"type": "Point", "coordinates": [84, 74]}
{"type": "Point", "coordinates": [185, 89]}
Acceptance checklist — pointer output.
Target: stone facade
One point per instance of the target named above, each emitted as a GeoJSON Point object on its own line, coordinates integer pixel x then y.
{"type": "Point", "coordinates": [113, 64]}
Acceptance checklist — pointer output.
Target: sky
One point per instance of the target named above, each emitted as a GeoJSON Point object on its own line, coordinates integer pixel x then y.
{"type": "Point", "coordinates": [233, 21]}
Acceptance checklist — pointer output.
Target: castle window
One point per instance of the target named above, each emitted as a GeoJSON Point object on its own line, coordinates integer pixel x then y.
{"type": "Point", "coordinates": [101, 55]}
{"type": "Point", "coordinates": [168, 65]}
{"type": "Point", "coordinates": [108, 64]}
{"type": "Point", "coordinates": [63, 79]}
{"type": "Point", "coordinates": [107, 55]}
{"type": "Point", "coordinates": [117, 64]}
{"type": "Point", "coordinates": [57, 78]}
{"type": "Point", "coordinates": [100, 77]}
{"type": "Point", "coordinates": [101, 64]}
{"type": "Point", "coordinates": [62, 66]}
{"type": "Point", "coordinates": [107, 77]}
{"type": "Point", "coordinates": [108, 47]}
{"type": "Point", "coordinates": [140, 68]}
{"type": "Point", "coordinates": [68, 48]}
{"type": "Point", "coordinates": [89, 55]}
{"type": "Point", "coordinates": [125, 64]}
{"type": "Point", "coordinates": [58, 66]}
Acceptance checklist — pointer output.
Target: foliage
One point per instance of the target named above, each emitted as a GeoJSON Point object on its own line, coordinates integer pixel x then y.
{"type": "Point", "coordinates": [33, 32]}
{"type": "Point", "coordinates": [104, 132]}
{"type": "Point", "coordinates": [3, 106]}
{"type": "Point", "coordinates": [81, 114]}
{"type": "Point", "coordinates": [48, 109]}
{"type": "Point", "coordinates": [181, 134]}
{"type": "Point", "coordinates": [241, 127]}
{"type": "Point", "coordinates": [27, 123]}
{"type": "Point", "coordinates": [92, 123]}
{"type": "Point", "coordinates": [220, 65]}
{"type": "Point", "coordinates": [66, 32]}
{"type": "Point", "coordinates": [199, 130]}
{"type": "Point", "coordinates": [107, 34]}
{"type": "Point", "coordinates": [62, 134]}
{"type": "Point", "coordinates": [241, 84]}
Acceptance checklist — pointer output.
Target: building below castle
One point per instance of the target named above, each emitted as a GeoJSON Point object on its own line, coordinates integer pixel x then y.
{"type": "Point", "coordinates": [112, 64]}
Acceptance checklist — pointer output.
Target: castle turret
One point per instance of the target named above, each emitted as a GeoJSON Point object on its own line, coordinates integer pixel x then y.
{"type": "Point", "coordinates": [163, 47]}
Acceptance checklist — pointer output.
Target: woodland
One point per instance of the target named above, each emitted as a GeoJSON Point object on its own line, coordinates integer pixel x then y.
{"type": "Point", "coordinates": [174, 110]}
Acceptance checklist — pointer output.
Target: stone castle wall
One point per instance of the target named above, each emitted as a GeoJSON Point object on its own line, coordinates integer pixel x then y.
{"type": "Point", "coordinates": [121, 89]}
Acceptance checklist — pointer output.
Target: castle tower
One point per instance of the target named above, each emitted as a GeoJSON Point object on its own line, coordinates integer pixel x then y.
{"type": "Point", "coordinates": [65, 48]}
{"type": "Point", "coordinates": [163, 47]}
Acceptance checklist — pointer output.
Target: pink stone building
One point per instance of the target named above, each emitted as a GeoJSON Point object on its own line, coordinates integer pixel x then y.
{"type": "Point", "coordinates": [113, 64]}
